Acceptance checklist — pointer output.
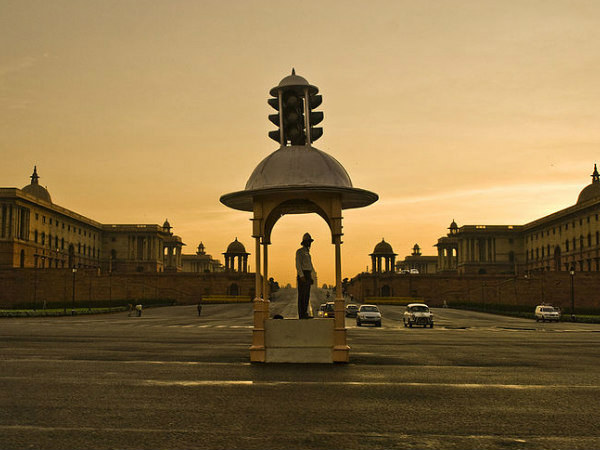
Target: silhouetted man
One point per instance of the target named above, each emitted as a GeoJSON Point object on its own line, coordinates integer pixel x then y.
{"type": "Point", "coordinates": [304, 269]}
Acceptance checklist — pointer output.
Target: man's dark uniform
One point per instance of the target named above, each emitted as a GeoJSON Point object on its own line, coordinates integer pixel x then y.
{"type": "Point", "coordinates": [304, 269]}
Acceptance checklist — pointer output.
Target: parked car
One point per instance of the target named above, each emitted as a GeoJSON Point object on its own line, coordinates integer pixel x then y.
{"type": "Point", "coordinates": [414, 271]}
{"type": "Point", "coordinates": [351, 310]}
{"type": "Point", "coordinates": [329, 309]}
{"type": "Point", "coordinates": [417, 314]}
{"type": "Point", "coordinates": [547, 312]}
{"type": "Point", "coordinates": [368, 314]}
{"type": "Point", "coordinates": [321, 311]}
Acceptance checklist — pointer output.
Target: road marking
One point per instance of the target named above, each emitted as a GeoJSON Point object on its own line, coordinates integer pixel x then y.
{"type": "Point", "coordinates": [191, 383]}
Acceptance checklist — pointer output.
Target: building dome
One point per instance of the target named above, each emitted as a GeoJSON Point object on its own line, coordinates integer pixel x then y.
{"type": "Point", "coordinates": [35, 189]}
{"type": "Point", "coordinates": [383, 248]}
{"type": "Point", "coordinates": [591, 191]}
{"type": "Point", "coordinates": [236, 247]}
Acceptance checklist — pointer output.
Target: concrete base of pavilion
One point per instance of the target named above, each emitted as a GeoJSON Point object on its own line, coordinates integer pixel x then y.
{"type": "Point", "coordinates": [299, 341]}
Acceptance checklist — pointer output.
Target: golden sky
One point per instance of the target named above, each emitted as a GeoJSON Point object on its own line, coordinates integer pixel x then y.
{"type": "Point", "coordinates": [486, 112]}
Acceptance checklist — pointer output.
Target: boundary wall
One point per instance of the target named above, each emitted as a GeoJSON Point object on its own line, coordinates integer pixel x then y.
{"type": "Point", "coordinates": [36, 286]}
{"type": "Point", "coordinates": [548, 287]}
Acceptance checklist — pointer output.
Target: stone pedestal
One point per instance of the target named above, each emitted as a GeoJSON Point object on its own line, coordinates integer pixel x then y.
{"type": "Point", "coordinates": [299, 341]}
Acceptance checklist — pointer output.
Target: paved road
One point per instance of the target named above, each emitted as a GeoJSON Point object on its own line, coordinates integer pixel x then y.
{"type": "Point", "coordinates": [171, 379]}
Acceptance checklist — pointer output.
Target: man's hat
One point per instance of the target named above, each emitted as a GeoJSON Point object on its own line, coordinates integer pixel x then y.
{"type": "Point", "coordinates": [306, 238]}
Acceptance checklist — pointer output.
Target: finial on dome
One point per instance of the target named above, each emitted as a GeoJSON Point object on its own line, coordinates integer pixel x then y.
{"type": "Point", "coordinates": [34, 177]}
{"type": "Point", "coordinates": [595, 176]}
{"type": "Point", "coordinates": [293, 71]}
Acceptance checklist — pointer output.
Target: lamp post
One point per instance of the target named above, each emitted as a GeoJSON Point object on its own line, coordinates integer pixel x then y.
{"type": "Point", "coordinates": [572, 273]}
{"type": "Point", "coordinates": [73, 305]}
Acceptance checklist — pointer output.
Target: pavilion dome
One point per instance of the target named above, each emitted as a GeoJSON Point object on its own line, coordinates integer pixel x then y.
{"type": "Point", "coordinates": [35, 189]}
{"type": "Point", "coordinates": [236, 247]}
{"type": "Point", "coordinates": [383, 248]}
{"type": "Point", "coordinates": [298, 166]}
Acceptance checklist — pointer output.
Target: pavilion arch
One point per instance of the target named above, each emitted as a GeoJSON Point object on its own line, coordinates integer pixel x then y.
{"type": "Point", "coordinates": [293, 206]}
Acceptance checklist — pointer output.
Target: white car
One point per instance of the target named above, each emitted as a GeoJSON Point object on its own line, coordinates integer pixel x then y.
{"type": "Point", "coordinates": [546, 312]}
{"type": "Point", "coordinates": [417, 314]}
{"type": "Point", "coordinates": [368, 314]}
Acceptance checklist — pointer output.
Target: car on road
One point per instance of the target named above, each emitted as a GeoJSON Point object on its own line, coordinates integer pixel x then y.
{"type": "Point", "coordinates": [321, 311]}
{"type": "Point", "coordinates": [414, 271]}
{"type": "Point", "coordinates": [368, 314]}
{"type": "Point", "coordinates": [546, 312]}
{"type": "Point", "coordinates": [417, 314]}
{"type": "Point", "coordinates": [351, 310]}
{"type": "Point", "coordinates": [329, 309]}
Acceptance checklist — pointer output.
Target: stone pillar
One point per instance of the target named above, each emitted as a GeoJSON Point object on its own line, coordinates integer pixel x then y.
{"type": "Point", "coordinates": [341, 351]}
{"type": "Point", "coordinates": [266, 274]}
{"type": "Point", "coordinates": [257, 349]}
{"type": "Point", "coordinates": [373, 264]}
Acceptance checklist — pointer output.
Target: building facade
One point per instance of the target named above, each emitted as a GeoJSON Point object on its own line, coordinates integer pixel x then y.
{"type": "Point", "coordinates": [419, 262]}
{"type": "Point", "coordinates": [201, 262]}
{"type": "Point", "coordinates": [569, 238]}
{"type": "Point", "coordinates": [37, 233]}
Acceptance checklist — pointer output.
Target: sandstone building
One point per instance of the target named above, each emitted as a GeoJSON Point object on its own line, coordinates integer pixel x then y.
{"type": "Point", "coordinates": [37, 233]}
{"type": "Point", "coordinates": [569, 238]}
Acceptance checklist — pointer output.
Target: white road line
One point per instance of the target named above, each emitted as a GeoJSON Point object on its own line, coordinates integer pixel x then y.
{"type": "Point", "coordinates": [191, 383]}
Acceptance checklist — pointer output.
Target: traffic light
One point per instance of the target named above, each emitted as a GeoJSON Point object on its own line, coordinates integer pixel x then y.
{"type": "Point", "coordinates": [316, 117]}
{"type": "Point", "coordinates": [293, 117]}
{"type": "Point", "coordinates": [294, 99]}
{"type": "Point", "coordinates": [275, 135]}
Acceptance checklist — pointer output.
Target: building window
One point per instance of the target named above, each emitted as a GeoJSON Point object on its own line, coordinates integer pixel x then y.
{"type": "Point", "coordinates": [56, 242]}
{"type": "Point", "coordinates": [79, 248]}
{"type": "Point", "coordinates": [567, 245]}
{"type": "Point", "coordinates": [49, 240]}
{"type": "Point", "coordinates": [50, 220]}
{"type": "Point", "coordinates": [542, 252]}
{"type": "Point", "coordinates": [35, 236]}
{"type": "Point", "coordinates": [597, 237]}
{"type": "Point", "coordinates": [62, 243]}
{"type": "Point", "coordinates": [589, 239]}
{"type": "Point", "coordinates": [566, 226]}
{"type": "Point", "coordinates": [80, 231]}
{"type": "Point", "coordinates": [43, 219]}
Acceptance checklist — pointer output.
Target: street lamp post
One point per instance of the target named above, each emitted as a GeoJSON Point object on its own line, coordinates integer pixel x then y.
{"type": "Point", "coordinates": [572, 273]}
{"type": "Point", "coordinates": [73, 305]}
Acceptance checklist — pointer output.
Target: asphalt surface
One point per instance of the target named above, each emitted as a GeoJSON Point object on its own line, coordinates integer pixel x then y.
{"type": "Point", "coordinates": [172, 380]}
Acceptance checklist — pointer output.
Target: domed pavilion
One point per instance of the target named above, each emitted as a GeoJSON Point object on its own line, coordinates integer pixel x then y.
{"type": "Point", "coordinates": [236, 250]}
{"type": "Point", "coordinates": [383, 251]}
{"type": "Point", "coordinates": [297, 178]}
